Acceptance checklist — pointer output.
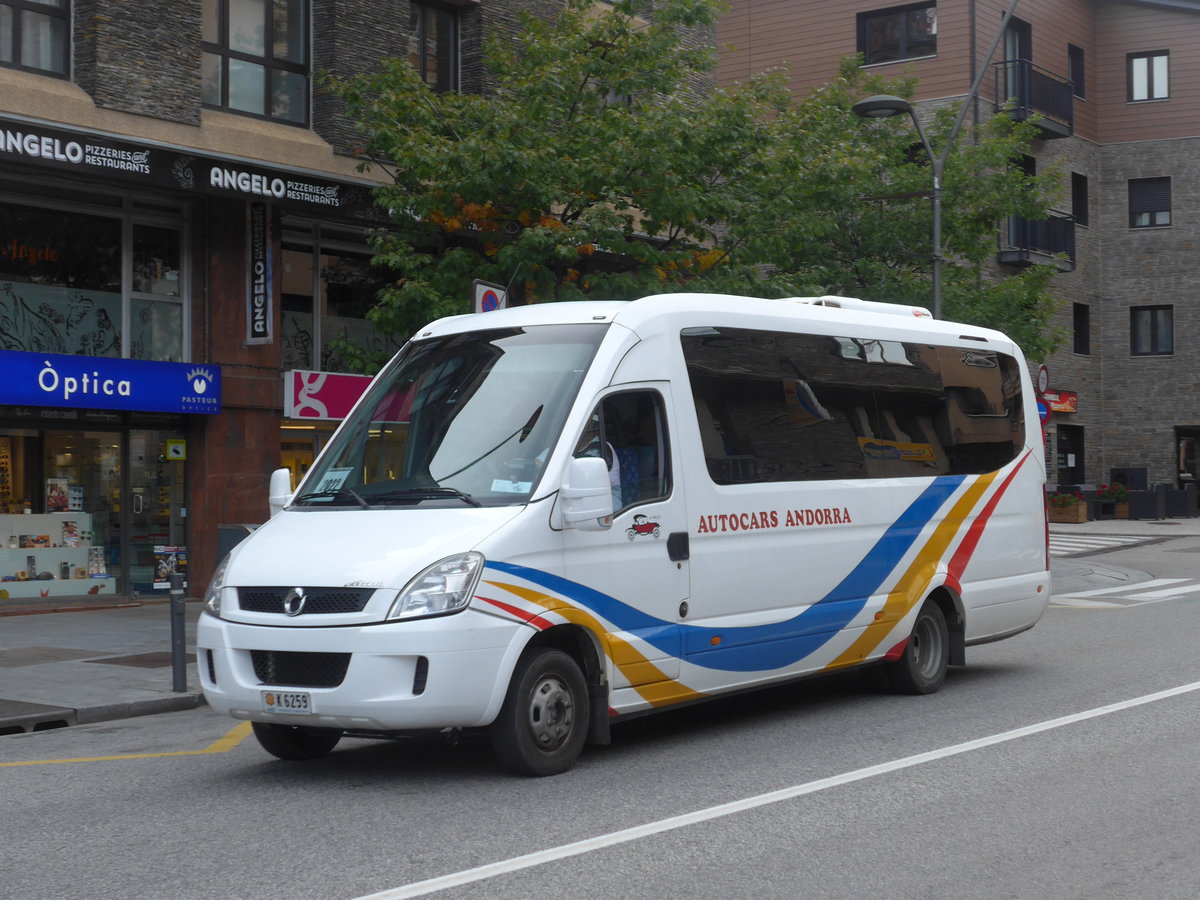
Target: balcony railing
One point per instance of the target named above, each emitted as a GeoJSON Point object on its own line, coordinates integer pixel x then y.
{"type": "Point", "coordinates": [1035, 91]}
{"type": "Point", "coordinates": [1042, 241]}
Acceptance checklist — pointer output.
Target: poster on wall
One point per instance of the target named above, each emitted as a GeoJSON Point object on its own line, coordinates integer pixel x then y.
{"type": "Point", "coordinates": [56, 494]}
{"type": "Point", "coordinates": [169, 561]}
{"type": "Point", "coordinates": [70, 533]}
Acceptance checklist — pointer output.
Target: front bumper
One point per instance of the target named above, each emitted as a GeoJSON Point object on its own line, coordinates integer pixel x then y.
{"type": "Point", "coordinates": [469, 658]}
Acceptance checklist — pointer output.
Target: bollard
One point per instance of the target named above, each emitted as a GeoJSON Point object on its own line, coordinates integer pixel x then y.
{"type": "Point", "coordinates": [178, 642]}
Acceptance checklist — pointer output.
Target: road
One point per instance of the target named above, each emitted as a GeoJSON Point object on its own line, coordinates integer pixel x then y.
{"type": "Point", "coordinates": [1061, 763]}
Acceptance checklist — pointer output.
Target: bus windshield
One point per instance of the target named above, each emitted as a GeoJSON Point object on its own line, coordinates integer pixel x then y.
{"type": "Point", "coordinates": [467, 419]}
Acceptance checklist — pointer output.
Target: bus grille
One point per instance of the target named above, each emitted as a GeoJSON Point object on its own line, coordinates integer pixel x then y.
{"type": "Point", "coordinates": [317, 601]}
{"type": "Point", "coordinates": [287, 668]}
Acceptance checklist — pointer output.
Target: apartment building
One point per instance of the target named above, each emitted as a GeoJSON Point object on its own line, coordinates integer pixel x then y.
{"type": "Point", "coordinates": [1115, 85]}
{"type": "Point", "coordinates": [181, 242]}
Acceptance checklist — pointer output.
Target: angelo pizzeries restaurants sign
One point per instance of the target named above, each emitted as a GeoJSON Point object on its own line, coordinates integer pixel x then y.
{"type": "Point", "coordinates": [162, 167]}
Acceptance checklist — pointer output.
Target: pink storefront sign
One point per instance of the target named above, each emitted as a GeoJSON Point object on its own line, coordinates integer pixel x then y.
{"type": "Point", "coordinates": [321, 395]}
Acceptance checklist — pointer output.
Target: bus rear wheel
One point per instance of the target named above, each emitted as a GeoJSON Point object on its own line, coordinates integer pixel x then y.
{"type": "Point", "coordinates": [921, 669]}
{"type": "Point", "coordinates": [543, 723]}
{"type": "Point", "coordinates": [296, 741]}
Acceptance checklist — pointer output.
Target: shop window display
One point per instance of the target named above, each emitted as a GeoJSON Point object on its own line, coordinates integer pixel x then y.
{"type": "Point", "coordinates": [55, 514]}
{"type": "Point", "coordinates": [60, 282]}
{"type": "Point", "coordinates": [61, 286]}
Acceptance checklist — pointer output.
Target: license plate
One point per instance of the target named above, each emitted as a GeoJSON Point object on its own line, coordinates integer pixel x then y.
{"type": "Point", "coordinates": [296, 703]}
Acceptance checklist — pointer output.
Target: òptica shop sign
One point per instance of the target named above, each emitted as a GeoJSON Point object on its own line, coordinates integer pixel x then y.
{"type": "Point", "coordinates": [100, 382]}
{"type": "Point", "coordinates": [158, 166]}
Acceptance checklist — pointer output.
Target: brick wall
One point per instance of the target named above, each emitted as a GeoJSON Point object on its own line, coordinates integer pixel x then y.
{"type": "Point", "coordinates": [1145, 397]}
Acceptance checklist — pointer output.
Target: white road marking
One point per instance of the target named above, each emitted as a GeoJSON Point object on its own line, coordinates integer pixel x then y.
{"type": "Point", "coordinates": [1131, 594]}
{"type": "Point", "coordinates": [600, 842]}
{"type": "Point", "coordinates": [1081, 603]}
{"type": "Point", "coordinates": [1066, 545]}
{"type": "Point", "coordinates": [1169, 592]}
{"type": "Point", "coordinates": [1126, 588]}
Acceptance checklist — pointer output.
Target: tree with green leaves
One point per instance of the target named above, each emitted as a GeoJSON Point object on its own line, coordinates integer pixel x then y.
{"type": "Point", "coordinates": [603, 165]}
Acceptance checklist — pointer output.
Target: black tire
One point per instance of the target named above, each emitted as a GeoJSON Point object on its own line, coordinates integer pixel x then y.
{"type": "Point", "coordinates": [544, 720]}
{"type": "Point", "coordinates": [921, 669]}
{"type": "Point", "coordinates": [296, 741]}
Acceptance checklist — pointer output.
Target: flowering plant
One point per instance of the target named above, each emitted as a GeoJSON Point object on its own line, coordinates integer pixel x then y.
{"type": "Point", "coordinates": [1065, 499]}
{"type": "Point", "coordinates": [1116, 492]}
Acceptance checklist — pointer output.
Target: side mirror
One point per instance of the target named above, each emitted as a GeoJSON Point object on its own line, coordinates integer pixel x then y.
{"type": "Point", "coordinates": [280, 490]}
{"type": "Point", "coordinates": [587, 495]}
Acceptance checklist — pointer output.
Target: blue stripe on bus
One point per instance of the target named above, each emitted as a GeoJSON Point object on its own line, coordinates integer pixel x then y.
{"type": "Point", "coordinates": [756, 648]}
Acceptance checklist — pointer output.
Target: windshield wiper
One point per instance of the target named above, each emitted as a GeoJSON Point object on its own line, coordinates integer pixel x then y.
{"type": "Point", "coordinates": [340, 493]}
{"type": "Point", "coordinates": [427, 493]}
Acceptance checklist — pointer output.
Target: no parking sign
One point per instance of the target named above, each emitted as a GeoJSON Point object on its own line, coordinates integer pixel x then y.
{"type": "Point", "coordinates": [489, 297]}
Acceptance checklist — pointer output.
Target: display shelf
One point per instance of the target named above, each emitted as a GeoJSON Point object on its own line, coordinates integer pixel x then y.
{"type": "Point", "coordinates": [60, 546]}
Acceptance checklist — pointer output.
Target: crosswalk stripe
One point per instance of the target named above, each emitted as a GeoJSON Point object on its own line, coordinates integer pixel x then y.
{"type": "Point", "coordinates": [1125, 588]}
{"type": "Point", "coordinates": [1065, 545]}
{"type": "Point", "coordinates": [1131, 594]}
{"type": "Point", "coordinates": [1169, 592]}
{"type": "Point", "coordinates": [1089, 542]}
{"type": "Point", "coordinates": [1072, 600]}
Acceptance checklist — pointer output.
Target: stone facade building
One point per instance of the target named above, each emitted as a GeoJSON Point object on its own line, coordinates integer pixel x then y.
{"type": "Point", "coordinates": [1117, 86]}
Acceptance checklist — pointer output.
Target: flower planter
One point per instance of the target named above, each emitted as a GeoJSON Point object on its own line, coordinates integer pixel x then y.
{"type": "Point", "coordinates": [1121, 511]}
{"type": "Point", "coordinates": [1073, 514]}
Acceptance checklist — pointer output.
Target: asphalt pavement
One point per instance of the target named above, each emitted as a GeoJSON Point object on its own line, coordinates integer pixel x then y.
{"type": "Point", "coordinates": [64, 665]}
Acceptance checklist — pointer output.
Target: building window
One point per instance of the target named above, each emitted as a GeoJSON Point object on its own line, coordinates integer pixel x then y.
{"type": "Point", "coordinates": [1151, 330]}
{"type": "Point", "coordinates": [902, 32]}
{"type": "Point", "coordinates": [1149, 202]}
{"type": "Point", "coordinates": [1079, 198]}
{"type": "Point", "coordinates": [255, 58]}
{"type": "Point", "coordinates": [433, 45]}
{"type": "Point", "coordinates": [1148, 76]}
{"type": "Point", "coordinates": [35, 35]}
{"type": "Point", "coordinates": [1075, 70]}
{"type": "Point", "coordinates": [329, 285]}
{"type": "Point", "coordinates": [1081, 316]}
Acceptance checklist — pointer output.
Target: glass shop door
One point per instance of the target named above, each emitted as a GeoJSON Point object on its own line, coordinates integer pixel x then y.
{"type": "Point", "coordinates": [155, 511]}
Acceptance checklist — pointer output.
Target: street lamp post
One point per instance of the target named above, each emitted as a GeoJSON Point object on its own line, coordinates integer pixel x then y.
{"type": "Point", "coordinates": [882, 106]}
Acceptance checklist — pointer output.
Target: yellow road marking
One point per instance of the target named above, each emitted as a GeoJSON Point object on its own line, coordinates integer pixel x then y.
{"type": "Point", "coordinates": [222, 745]}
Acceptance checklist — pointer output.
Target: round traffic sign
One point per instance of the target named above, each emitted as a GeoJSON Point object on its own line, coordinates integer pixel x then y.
{"type": "Point", "coordinates": [490, 301]}
{"type": "Point", "coordinates": [1043, 411]}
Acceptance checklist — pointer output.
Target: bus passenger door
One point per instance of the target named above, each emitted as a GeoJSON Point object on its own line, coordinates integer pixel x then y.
{"type": "Point", "coordinates": [636, 571]}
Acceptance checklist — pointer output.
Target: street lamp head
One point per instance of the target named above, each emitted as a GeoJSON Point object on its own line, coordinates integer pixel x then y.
{"type": "Point", "coordinates": [881, 106]}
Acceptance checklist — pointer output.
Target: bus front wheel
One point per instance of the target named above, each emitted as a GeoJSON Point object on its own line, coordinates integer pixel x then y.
{"type": "Point", "coordinates": [921, 669]}
{"type": "Point", "coordinates": [543, 722]}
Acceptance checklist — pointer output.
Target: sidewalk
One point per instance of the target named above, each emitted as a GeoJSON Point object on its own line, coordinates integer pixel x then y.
{"type": "Point", "coordinates": [62, 665]}
{"type": "Point", "coordinates": [73, 665]}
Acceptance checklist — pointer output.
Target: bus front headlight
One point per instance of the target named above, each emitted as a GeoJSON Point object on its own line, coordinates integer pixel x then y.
{"type": "Point", "coordinates": [212, 597]}
{"type": "Point", "coordinates": [445, 587]}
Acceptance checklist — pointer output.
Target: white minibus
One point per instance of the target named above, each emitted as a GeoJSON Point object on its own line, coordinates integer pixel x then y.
{"type": "Point", "coordinates": [540, 520]}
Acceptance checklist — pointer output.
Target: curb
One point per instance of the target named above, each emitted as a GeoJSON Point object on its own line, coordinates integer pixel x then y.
{"type": "Point", "coordinates": [45, 718]}
{"type": "Point", "coordinates": [34, 608]}
{"type": "Point", "coordinates": [135, 708]}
